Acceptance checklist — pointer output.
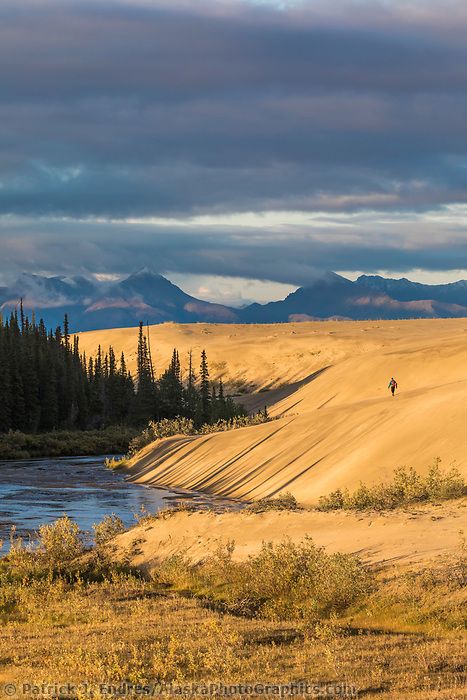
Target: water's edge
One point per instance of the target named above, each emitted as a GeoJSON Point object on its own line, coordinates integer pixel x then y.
{"type": "Point", "coordinates": [38, 491]}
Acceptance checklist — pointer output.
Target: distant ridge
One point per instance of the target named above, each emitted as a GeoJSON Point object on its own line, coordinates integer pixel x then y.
{"type": "Point", "coordinates": [147, 295]}
{"type": "Point", "coordinates": [144, 295]}
{"type": "Point", "coordinates": [370, 297]}
{"type": "Point", "coordinates": [405, 290]}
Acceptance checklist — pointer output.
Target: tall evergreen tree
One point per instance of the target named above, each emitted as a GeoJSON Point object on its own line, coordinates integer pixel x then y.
{"type": "Point", "coordinates": [66, 332]}
{"type": "Point", "coordinates": [171, 389]}
{"type": "Point", "coordinates": [145, 405]}
{"type": "Point", "coordinates": [190, 394]}
{"type": "Point", "coordinates": [5, 390]}
{"type": "Point", "coordinates": [204, 411]}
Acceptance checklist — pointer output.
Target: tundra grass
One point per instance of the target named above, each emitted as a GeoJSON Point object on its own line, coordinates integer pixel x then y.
{"type": "Point", "coordinates": [292, 613]}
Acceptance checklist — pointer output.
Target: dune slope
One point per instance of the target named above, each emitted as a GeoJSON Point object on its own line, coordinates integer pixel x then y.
{"type": "Point", "coordinates": [337, 425]}
{"type": "Point", "coordinates": [259, 357]}
{"type": "Point", "coordinates": [403, 537]}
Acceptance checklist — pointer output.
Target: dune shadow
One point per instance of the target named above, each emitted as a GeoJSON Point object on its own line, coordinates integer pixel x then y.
{"type": "Point", "coordinates": [258, 400]}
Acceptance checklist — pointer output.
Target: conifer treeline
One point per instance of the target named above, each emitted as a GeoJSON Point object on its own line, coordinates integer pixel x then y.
{"type": "Point", "coordinates": [173, 395]}
{"type": "Point", "coordinates": [46, 384]}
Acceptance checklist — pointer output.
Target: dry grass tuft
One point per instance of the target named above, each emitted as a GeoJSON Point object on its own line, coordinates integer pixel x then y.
{"type": "Point", "coordinates": [407, 487]}
{"type": "Point", "coordinates": [285, 501]}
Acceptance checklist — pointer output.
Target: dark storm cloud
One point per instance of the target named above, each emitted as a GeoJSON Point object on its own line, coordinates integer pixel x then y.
{"type": "Point", "coordinates": [121, 109]}
{"type": "Point", "coordinates": [289, 254]}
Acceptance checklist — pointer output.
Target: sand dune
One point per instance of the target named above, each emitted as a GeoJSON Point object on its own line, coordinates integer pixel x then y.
{"type": "Point", "coordinates": [327, 383]}
{"type": "Point", "coordinates": [257, 356]}
{"type": "Point", "coordinates": [407, 538]}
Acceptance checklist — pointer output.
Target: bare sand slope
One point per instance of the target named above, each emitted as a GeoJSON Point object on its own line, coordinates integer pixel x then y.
{"type": "Point", "coordinates": [267, 355]}
{"type": "Point", "coordinates": [338, 427]}
{"type": "Point", "coordinates": [408, 537]}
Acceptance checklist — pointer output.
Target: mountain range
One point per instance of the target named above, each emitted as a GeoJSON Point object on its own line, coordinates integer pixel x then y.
{"type": "Point", "coordinates": [150, 297]}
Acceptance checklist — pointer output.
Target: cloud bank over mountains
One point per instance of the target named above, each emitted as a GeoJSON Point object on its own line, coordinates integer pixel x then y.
{"type": "Point", "coordinates": [261, 140]}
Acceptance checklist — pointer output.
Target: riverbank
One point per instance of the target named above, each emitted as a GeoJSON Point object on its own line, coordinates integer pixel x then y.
{"type": "Point", "coordinates": [34, 492]}
{"type": "Point", "coordinates": [66, 443]}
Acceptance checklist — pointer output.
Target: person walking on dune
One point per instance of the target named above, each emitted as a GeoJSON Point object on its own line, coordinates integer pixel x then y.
{"type": "Point", "coordinates": [392, 385]}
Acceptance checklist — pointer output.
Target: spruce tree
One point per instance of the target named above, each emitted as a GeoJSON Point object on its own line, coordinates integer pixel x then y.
{"type": "Point", "coordinates": [49, 400]}
{"type": "Point", "coordinates": [66, 332]}
{"type": "Point", "coordinates": [5, 393]}
{"type": "Point", "coordinates": [145, 405]}
{"type": "Point", "coordinates": [171, 389]}
{"type": "Point", "coordinates": [18, 408]}
{"type": "Point", "coordinates": [190, 395]}
{"type": "Point", "coordinates": [204, 411]}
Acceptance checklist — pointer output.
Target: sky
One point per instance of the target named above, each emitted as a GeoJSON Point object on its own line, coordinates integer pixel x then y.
{"type": "Point", "coordinates": [241, 148]}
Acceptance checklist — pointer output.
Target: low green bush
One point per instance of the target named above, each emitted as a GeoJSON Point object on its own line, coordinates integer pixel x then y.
{"type": "Point", "coordinates": [56, 545]}
{"type": "Point", "coordinates": [156, 430]}
{"type": "Point", "coordinates": [406, 487]}
{"type": "Point", "coordinates": [61, 550]}
{"type": "Point", "coordinates": [285, 501]}
{"type": "Point", "coordinates": [109, 527]}
{"type": "Point", "coordinates": [282, 582]}
{"type": "Point", "coordinates": [114, 463]}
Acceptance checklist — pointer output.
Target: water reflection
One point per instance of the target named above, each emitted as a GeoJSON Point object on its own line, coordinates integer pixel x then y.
{"type": "Point", "coordinates": [33, 492]}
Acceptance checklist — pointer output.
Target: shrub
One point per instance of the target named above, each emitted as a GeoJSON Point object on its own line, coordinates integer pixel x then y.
{"type": "Point", "coordinates": [221, 426]}
{"type": "Point", "coordinates": [284, 502]}
{"type": "Point", "coordinates": [180, 507]}
{"type": "Point", "coordinates": [20, 560]}
{"type": "Point", "coordinates": [282, 582]}
{"type": "Point", "coordinates": [441, 486]}
{"type": "Point", "coordinates": [60, 542]}
{"type": "Point", "coordinates": [56, 546]}
{"type": "Point", "coordinates": [109, 527]}
{"type": "Point", "coordinates": [112, 440]}
{"type": "Point", "coordinates": [336, 500]}
{"type": "Point", "coordinates": [59, 552]}
{"type": "Point", "coordinates": [406, 487]}
{"type": "Point", "coordinates": [156, 430]}
{"type": "Point", "coordinates": [114, 463]}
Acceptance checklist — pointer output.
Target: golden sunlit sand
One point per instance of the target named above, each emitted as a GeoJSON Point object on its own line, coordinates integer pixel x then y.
{"type": "Point", "coordinates": [409, 537]}
{"type": "Point", "coordinates": [327, 381]}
